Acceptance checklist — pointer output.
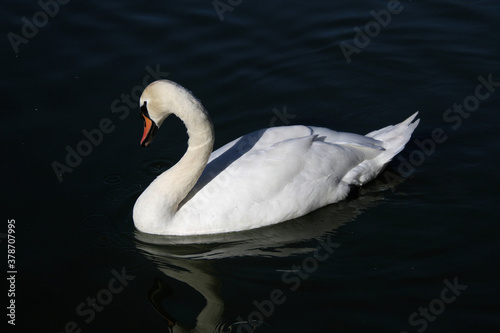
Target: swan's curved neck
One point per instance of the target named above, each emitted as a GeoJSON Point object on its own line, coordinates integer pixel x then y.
{"type": "Point", "coordinates": [172, 186]}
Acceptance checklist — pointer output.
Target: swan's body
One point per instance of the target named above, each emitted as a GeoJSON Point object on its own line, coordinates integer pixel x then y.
{"type": "Point", "coordinates": [259, 179]}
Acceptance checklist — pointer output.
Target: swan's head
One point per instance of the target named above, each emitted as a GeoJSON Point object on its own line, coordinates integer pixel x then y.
{"type": "Point", "coordinates": [163, 98]}
{"type": "Point", "coordinates": [157, 102]}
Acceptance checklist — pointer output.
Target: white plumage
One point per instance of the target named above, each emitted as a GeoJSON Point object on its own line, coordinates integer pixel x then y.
{"type": "Point", "coordinates": [259, 179]}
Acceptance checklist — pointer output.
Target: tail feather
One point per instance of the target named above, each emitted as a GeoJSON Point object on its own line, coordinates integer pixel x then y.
{"type": "Point", "coordinates": [394, 139]}
{"type": "Point", "coordinates": [394, 130]}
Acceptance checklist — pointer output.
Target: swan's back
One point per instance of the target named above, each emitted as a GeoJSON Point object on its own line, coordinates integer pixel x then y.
{"type": "Point", "coordinates": [281, 173]}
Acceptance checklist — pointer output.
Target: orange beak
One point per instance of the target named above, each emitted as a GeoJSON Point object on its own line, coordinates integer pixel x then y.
{"type": "Point", "coordinates": [150, 128]}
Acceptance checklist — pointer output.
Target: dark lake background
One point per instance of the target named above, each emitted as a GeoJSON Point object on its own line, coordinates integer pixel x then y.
{"type": "Point", "coordinates": [385, 260]}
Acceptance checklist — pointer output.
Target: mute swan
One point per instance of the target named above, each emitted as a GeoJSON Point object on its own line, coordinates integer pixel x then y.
{"type": "Point", "coordinates": [262, 178]}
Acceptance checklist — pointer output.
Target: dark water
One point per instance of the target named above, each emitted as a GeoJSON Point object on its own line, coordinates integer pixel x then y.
{"type": "Point", "coordinates": [415, 251]}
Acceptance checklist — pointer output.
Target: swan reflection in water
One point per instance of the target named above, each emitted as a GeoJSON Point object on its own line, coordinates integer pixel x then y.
{"type": "Point", "coordinates": [189, 259]}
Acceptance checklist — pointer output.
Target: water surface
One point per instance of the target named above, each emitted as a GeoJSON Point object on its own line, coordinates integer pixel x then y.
{"type": "Point", "coordinates": [424, 236]}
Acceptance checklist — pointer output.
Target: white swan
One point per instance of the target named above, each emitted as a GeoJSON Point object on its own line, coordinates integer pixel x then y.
{"type": "Point", "coordinates": [259, 179]}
